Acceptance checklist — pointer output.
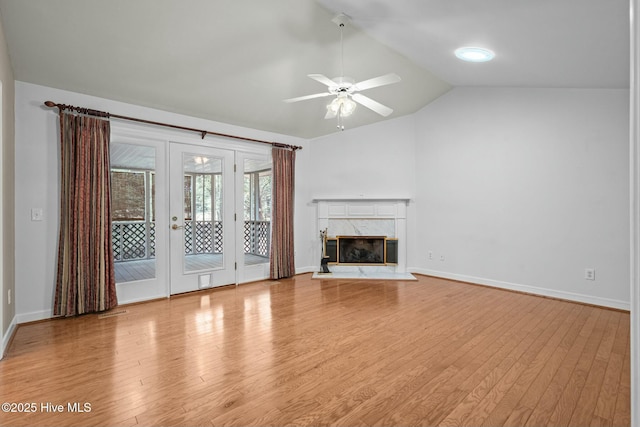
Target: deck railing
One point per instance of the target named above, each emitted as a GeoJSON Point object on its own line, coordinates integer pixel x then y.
{"type": "Point", "coordinates": [203, 237]}
{"type": "Point", "coordinates": [133, 240]}
{"type": "Point", "coordinates": [257, 237]}
{"type": "Point", "coordinates": [136, 240]}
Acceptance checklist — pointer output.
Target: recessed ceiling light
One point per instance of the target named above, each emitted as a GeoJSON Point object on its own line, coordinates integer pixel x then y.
{"type": "Point", "coordinates": [474, 54]}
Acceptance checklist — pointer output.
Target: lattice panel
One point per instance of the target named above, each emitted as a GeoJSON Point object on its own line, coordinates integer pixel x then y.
{"type": "Point", "coordinates": [116, 233]}
{"type": "Point", "coordinates": [219, 247]}
{"type": "Point", "coordinates": [257, 237]}
{"type": "Point", "coordinates": [188, 237]}
{"type": "Point", "coordinates": [134, 244]}
{"type": "Point", "coordinates": [152, 240]}
{"type": "Point", "coordinates": [248, 234]}
{"type": "Point", "coordinates": [129, 240]}
{"type": "Point", "coordinates": [263, 231]}
{"type": "Point", "coordinates": [204, 237]}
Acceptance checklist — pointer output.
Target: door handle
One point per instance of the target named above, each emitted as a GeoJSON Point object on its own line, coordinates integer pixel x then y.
{"type": "Point", "coordinates": [176, 226]}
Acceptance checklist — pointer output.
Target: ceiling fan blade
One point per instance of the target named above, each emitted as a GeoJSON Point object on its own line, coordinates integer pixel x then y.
{"type": "Point", "coordinates": [303, 98]}
{"type": "Point", "coordinates": [322, 79]}
{"type": "Point", "coordinates": [387, 79]}
{"type": "Point", "coordinates": [383, 110]}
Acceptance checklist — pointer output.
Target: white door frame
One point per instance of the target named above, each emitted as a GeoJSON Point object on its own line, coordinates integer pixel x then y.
{"type": "Point", "coordinates": [634, 197]}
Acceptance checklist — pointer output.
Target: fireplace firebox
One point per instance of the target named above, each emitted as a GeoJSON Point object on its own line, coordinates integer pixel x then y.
{"type": "Point", "coordinates": [362, 250]}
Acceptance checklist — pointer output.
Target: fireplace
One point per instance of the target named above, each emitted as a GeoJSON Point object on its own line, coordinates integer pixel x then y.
{"type": "Point", "coordinates": [362, 250]}
{"type": "Point", "coordinates": [344, 218]}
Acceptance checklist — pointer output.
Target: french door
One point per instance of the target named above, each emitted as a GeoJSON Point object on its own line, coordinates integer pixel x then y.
{"type": "Point", "coordinates": [201, 217]}
{"type": "Point", "coordinates": [139, 227]}
{"type": "Point", "coordinates": [185, 217]}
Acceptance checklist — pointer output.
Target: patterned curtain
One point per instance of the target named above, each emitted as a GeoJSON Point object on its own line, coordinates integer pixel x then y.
{"type": "Point", "coordinates": [282, 259]}
{"type": "Point", "coordinates": [85, 280]}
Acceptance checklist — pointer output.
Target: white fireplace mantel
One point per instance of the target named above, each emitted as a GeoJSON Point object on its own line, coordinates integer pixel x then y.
{"type": "Point", "coordinates": [361, 198]}
{"type": "Point", "coordinates": [366, 216]}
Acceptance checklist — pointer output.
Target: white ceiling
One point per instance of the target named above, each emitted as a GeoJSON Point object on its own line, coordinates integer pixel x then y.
{"type": "Point", "coordinates": [235, 61]}
{"type": "Point", "coordinates": [538, 43]}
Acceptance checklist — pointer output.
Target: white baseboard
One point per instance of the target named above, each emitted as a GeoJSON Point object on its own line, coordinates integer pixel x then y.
{"type": "Point", "coordinates": [7, 337]}
{"type": "Point", "coordinates": [34, 316]}
{"type": "Point", "coordinates": [137, 300]}
{"type": "Point", "coordinates": [570, 296]}
{"type": "Point", "coordinates": [309, 269]}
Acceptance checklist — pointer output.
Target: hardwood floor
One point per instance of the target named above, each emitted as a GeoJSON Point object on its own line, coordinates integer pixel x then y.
{"type": "Point", "coordinates": [317, 352]}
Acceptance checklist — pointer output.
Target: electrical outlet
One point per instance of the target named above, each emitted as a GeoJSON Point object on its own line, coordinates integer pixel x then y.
{"type": "Point", "coordinates": [590, 273]}
{"type": "Point", "coordinates": [430, 255]}
{"type": "Point", "coordinates": [441, 257]}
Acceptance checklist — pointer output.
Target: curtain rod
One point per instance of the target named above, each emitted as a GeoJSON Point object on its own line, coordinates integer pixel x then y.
{"type": "Point", "coordinates": [202, 133]}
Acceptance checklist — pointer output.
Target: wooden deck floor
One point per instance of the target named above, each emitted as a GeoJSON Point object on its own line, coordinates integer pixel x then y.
{"type": "Point", "coordinates": [128, 271]}
{"type": "Point", "coordinates": [298, 351]}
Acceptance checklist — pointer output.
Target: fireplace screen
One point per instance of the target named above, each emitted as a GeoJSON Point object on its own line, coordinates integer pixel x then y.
{"type": "Point", "coordinates": [361, 249]}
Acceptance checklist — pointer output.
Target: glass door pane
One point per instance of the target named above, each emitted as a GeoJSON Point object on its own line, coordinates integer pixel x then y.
{"type": "Point", "coordinates": [203, 226]}
{"type": "Point", "coordinates": [257, 210]}
{"type": "Point", "coordinates": [133, 225]}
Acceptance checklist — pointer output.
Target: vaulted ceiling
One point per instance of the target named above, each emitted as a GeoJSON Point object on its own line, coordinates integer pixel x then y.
{"type": "Point", "coordinates": [235, 61]}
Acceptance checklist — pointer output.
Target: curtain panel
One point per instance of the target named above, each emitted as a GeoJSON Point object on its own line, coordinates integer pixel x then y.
{"type": "Point", "coordinates": [85, 280]}
{"type": "Point", "coordinates": [282, 262]}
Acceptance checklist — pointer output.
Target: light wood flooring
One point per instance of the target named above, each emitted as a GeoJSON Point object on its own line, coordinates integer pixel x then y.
{"type": "Point", "coordinates": [299, 351]}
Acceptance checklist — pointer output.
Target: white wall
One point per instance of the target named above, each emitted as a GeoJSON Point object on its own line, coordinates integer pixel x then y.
{"type": "Point", "coordinates": [515, 188]}
{"type": "Point", "coordinates": [304, 242]}
{"type": "Point", "coordinates": [370, 161]}
{"type": "Point", "coordinates": [36, 165]}
{"type": "Point", "coordinates": [524, 189]}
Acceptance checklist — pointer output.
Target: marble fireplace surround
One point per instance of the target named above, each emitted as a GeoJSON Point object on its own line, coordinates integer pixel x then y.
{"type": "Point", "coordinates": [345, 216]}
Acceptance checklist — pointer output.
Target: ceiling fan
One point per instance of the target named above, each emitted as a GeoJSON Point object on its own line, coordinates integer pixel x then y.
{"type": "Point", "coordinates": [346, 90]}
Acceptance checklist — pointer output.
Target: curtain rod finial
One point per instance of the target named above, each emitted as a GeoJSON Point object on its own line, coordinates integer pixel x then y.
{"type": "Point", "coordinates": [50, 104]}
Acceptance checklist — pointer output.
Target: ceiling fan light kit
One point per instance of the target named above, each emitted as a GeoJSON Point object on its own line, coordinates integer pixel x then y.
{"type": "Point", "coordinates": [345, 89]}
{"type": "Point", "coordinates": [342, 105]}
